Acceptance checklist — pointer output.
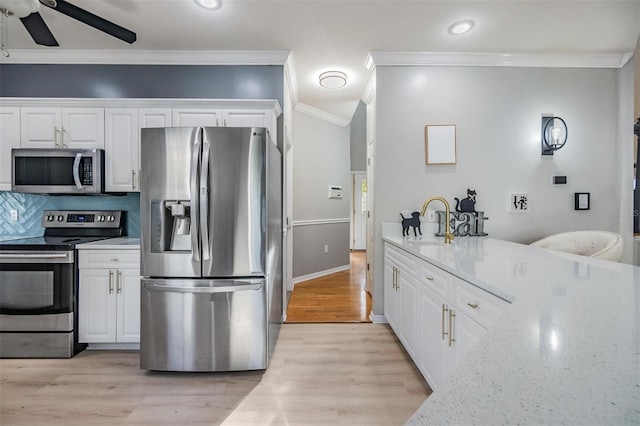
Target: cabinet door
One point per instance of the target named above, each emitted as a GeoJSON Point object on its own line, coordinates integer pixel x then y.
{"type": "Point", "coordinates": [128, 291]}
{"type": "Point", "coordinates": [466, 333]}
{"type": "Point", "coordinates": [434, 356]}
{"type": "Point", "coordinates": [154, 117]}
{"type": "Point", "coordinates": [83, 128]}
{"type": "Point", "coordinates": [406, 310]}
{"type": "Point", "coordinates": [390, 294]}
{"type": "Point", "coordinates": [40, 127]}
{"type": "Point", "coordinates": [9, 138]}
{"type": "Point", "coordinates": [196, 117]}
{"type": "Point", "coordinates": [97, 306]}
{"type": "Point", "coordinates": [122, 148]}
{"type": "Point", "coordinates": [245, 118]}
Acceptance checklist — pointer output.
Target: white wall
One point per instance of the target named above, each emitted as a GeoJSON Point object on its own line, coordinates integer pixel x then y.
{"type": "Point", "coordinates": [321, 158]}
{"type": "Point", "coordinates": [497, 113]}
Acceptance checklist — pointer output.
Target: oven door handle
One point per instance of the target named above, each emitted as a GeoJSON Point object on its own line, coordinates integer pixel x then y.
{"type": "Point", "coordinates": [35, 257]}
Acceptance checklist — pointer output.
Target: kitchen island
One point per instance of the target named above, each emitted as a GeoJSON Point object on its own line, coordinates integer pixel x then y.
{"type": "Point", "coordinates": [566, 350]}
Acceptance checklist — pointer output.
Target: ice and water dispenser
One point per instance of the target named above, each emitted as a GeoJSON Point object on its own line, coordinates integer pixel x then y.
{"type": "Point", "coordinates": [170, 225]}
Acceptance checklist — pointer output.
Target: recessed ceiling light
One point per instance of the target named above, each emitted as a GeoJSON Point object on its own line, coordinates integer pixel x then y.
{"type": "Point", "coordinates": [461, 27]}
{"type": "Point", "coordinates": [209, 4]}
{"type": "Point", "coordinates": [333, 79]}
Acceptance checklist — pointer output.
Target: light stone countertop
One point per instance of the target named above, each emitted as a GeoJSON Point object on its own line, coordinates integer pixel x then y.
{"type": "Point", "coordinates": [565, 351]}
{"type": "Point", "coordinates": [120, 243]}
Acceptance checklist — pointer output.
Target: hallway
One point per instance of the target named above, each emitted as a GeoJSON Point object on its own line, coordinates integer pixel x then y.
{"type": "Point", "coordinates": [337, 298]}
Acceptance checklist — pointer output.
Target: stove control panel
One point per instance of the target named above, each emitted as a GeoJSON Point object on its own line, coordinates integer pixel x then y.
{"type": "Point", "coordinates": [82, 219]}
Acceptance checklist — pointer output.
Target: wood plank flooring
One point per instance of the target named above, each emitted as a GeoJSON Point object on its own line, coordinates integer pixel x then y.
{"type": "Point", "coordinates": [338, 297]}
{"type": "Point", "coordinates": [331, 374]}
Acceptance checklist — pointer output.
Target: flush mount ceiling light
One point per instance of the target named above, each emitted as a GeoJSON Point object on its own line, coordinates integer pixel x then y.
{"type": "Point", "coordinates": [333, 79]}
{"type": "Point", "coordinates": [209, 4]}
{"type": "Point", "coordinates": [461, 27]}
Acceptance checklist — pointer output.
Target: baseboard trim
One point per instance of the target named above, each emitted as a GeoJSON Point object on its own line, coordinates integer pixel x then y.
{"type": "Point", "coordinates": [378, 319]}
{"type": "Point", "coordinates": [113, 346]}
{"type": "Point", "coordinates": [319, 274]}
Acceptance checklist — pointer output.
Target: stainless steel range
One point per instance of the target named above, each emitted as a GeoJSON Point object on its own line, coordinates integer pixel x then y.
{"type": "Point", "coordinates": [39, 283]}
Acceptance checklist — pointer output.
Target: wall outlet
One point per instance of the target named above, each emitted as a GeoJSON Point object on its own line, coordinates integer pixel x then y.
{"type": "Point", "coordinates": [14, 215]}
{"type": "Point", "coordinates": [326, 248]}
{"type": "Point", "coordinates": [431, 216]}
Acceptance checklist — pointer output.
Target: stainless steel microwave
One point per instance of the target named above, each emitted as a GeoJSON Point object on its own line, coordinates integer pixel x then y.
{"type": "Point", "coordinates": [57, 171]}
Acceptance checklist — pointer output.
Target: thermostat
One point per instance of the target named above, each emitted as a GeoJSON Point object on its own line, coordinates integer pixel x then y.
{"type": "Point", "coordinates": [335, 191]}
{"type": "Point", "coordinates": [558, 180]}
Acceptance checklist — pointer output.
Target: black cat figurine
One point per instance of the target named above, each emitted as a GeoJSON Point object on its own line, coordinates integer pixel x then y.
{"type": "Point", "coordinates": [467, 205]}
{"type": "Point", "coordinates": [413, 221]}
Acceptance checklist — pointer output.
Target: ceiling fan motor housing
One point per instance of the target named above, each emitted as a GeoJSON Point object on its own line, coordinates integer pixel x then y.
{"type": "Point", "coordinates": [20, 8]}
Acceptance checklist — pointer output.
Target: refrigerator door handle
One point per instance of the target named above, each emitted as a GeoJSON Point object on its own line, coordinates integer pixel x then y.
{"type": "Point", "coordinates": [209, 290]}
{"type": "Point", "coordinates": [204, 199]}
{"type": "Point", "coordinates": [195, 200]}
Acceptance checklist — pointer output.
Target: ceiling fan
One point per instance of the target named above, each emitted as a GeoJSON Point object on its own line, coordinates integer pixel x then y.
{"type": "Point", "coordinates": [27, 11]}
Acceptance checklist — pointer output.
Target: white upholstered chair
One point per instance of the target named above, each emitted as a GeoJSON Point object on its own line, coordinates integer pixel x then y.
{"type": "Point", "coordinates": [601, 244]}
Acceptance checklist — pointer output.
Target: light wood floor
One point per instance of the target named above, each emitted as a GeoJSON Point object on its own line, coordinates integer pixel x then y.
{"type": "Point", "coordinates": [338, 297]}
{"type": "Point", "coordinates": [337, 374]}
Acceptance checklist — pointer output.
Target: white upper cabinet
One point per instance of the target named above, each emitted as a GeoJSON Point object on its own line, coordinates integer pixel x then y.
{"type": "Point", "coordinates": [154, 117]}
{"type": "Point", "coordinates": [9, 138]}
{"type": "Point", "coordinates": [122, 150]}
{"type": "Point", "coordinates": [197, 118]}
{"type": "Point", "coordinates": [78, 128]}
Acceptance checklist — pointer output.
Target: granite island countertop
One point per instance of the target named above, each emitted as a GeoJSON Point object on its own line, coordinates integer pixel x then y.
{"type": "Point", "coordinates": [119, 243]}
{"type": "Point", "coordinates": [565, 351]}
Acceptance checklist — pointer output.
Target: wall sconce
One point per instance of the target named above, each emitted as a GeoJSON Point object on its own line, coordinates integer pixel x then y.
{"type": "Point", "coordinates": [554, 134]}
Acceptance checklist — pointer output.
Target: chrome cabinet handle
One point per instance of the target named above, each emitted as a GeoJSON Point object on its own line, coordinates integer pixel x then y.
{"type": "Point", "coordinates": [64, 131]}
{"type": "Point", "coordinates": [119, 282]}
{"type": "Point", "coordinates": [452, 315]}
{"type": "Point", "coordinates": [110, 282]}
{"type": "Point", "coordinates": [444, 309]}
{"type": "Point", "coordinates": [133, 180]}
{"type": "Point", "coordinates": [56, 133]}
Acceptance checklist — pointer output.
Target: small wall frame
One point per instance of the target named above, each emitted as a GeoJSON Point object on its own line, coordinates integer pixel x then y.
{"type": "Point", "coordinates": [582, 201]}
{"type": "Point", "coordinates": [440, 144]}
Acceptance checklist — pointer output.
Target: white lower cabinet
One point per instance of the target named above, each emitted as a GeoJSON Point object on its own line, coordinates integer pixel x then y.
{"type": "Point", "coordinates": [437, 316]}
{"type": "Point", "coordinates": [109, 296]}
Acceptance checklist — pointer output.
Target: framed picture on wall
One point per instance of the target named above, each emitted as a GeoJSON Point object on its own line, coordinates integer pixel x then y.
{"type": "Point", "coordinates": [440, 144]}
{"type": "Point", "coordinates": [582, 201]}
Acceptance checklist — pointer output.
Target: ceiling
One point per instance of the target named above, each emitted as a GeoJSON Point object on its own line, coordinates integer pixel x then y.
{"type": "Point", "coordinates": [338, 35]}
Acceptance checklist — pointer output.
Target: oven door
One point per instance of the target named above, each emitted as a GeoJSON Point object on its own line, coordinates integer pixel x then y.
{"type": "Point", "coordinates": [37, 282]}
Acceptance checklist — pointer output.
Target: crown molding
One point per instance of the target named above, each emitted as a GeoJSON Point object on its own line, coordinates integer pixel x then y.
{"type": "Point", "coordinates": [291, 80]}
{"type": "Point", "coordinates": [147, 57]}
{"type": "Point", "coordinates": [323, 115]}
{"type": "Point", "coordinates": [544, 60]}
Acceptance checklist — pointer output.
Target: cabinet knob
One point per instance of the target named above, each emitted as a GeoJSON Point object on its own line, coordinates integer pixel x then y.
{"type": "Point", "coordinates": [473, 305]}
{"type": "Point", "coordinates": [114, 259]}
{"type": "Point", "coordinates": [430, 278]}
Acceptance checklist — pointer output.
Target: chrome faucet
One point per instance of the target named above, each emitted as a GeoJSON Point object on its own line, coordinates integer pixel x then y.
{"type": "Point", "coordinates": [448, 236]}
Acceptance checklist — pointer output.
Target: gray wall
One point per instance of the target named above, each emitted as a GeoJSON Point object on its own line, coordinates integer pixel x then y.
{"type": "Point", "coordinates": [320, 159]}
{"type": "Point", "coordinates": [122, 81]}
{"type": "Point", "coordinates": [142, 81]}
{"type": "Point", "coordinates": [359, 138]}
{"type": "Point", "coordinates": [497, 113]}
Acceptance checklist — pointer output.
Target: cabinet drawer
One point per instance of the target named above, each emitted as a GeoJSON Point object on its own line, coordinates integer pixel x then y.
{"type": "Point", "coordinates": [436, 279]}
{"type": "Point", "coordinates": [481, 306]}
{"type": "Point", "coordinates": [122, 259]}
{"type": "Point", "coordinates": [406, 263]}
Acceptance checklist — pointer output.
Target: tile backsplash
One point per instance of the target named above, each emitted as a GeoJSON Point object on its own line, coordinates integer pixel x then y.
{"type": "Point", "coordinates": [30, 207]}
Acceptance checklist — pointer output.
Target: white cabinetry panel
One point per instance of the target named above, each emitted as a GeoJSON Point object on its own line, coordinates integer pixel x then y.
{"type": "Point", "coordinates": [122, 150]}
{"type": "Point", "coordinates": [9, 138]}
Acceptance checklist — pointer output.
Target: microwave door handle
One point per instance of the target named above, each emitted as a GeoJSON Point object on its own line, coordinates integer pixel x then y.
{"type": "Point", "coordinates": [76, 170]}
{"type": "Point", "coordinates": [204, 199]}
{"type": "Point", "coordinates": [195, 201]}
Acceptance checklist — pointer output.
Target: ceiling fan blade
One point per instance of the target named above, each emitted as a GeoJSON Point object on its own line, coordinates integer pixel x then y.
{"type": "Point", "coordinates": [38, 30]}
{"type": "Point", "coordinates": [94, 20]}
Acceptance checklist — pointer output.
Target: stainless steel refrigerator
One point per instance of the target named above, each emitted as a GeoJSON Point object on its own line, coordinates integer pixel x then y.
{"type": "Point", "coordinates": [211, 248]}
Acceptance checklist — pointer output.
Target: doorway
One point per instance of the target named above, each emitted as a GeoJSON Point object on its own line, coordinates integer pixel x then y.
{"type": "Point", "coordinates": [359, 211]}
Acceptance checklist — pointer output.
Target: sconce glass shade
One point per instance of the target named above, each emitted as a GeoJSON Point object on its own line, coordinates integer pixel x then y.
{"type": "Point", "coordinates": [333, 79]}
{"type": "Point", "coordinates": [554, 134]}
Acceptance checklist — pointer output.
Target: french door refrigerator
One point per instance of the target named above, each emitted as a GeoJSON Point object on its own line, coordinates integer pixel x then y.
{"type": "Point", "coordinates": [211, 248]}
